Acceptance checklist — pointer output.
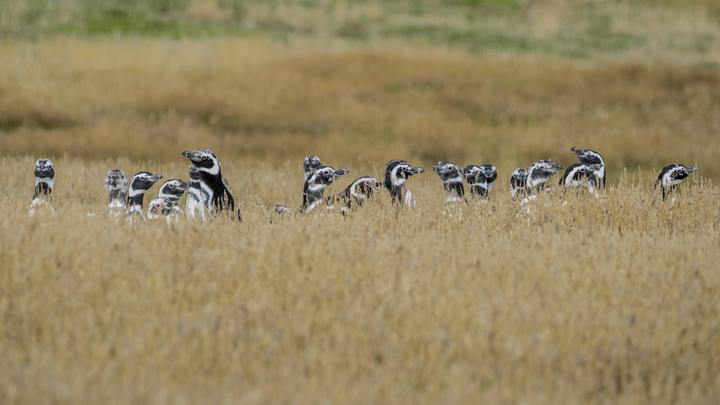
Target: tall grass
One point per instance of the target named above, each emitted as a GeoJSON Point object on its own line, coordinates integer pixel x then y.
{"type": "Point", "coordinates": [149, 99]}
{"type": "Point", "coordinates": [580, 300]}
{"type": "Point", "coordinates": [591, 300]}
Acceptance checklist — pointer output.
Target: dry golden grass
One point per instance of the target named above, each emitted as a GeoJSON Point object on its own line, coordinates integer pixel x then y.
{"type": "Point", "coordinates": [608, 300]}
{"type": "Point", "coordinates": [147, 99]}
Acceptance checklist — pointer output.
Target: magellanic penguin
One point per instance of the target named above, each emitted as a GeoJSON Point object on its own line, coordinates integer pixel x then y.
{"type": "Point", "coordinates": [44, 185]}
{"type": "Point", "coordinates": [539, 173]}
{"type": "Point", "coordinates": [166, 204]}
{"type": "Point", "coordinates": [317, 179]}
{"type": "Point", "coordinates": [397, 172]}
{"type": "Point", "coordinates": [451, 177]}
{"type": "Point", "coordinates": [480, 179]}
{"type": "Point", "coordinates": [211, 180]}
{"type": "Point", "coordinates": [116, 185]}
{"type": "Point", "coordinates": [518, 180]}
{"type": "Point", "coordinates": [357, 193]}
{"type": "Point", "coordinates": [580, 175]}
{"type": "Point", "coordinates": [595, 161]}
{"type": "Point", "coordinates": [671, 176]}
{"type": "Point", "coordinates": [139, 185]}
{"type": "Point", "coordinates": [316, 184]}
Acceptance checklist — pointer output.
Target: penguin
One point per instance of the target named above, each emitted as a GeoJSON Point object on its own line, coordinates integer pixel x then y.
{"type": "Point", "coordinates": [539, 173]}
{"type": "Point", "coordinates": [212, 181]}
{"type": "Point", "coordinates": [480, 179]}
{"type": "Point", "coordinates": [116, 185]}
{"type": "Point", "coordinates": [357, 193]}
{"type": "Point", "coordinates": [452, 179]}
{"type": "Point", "coordinates": [139, 185]}
{"type": "Point", "coordinates": [314, 189]}
{"type": "Point", "coordinates": [671, 176]}
{"type": "Point", "coordinates": [44, 185]}
{"type": "Point", "coordinates": [518, 179]}
{"type": "Point", "coordinates": [167, 202]}
{"type": "Point", "coordinates": [397, 172]}
{"type": "Point", "coordinates": [580, 175]}
{"type": "Point", "coordinates": [592, 159]}
{"type": "Point", "coordinates": [316, 184]}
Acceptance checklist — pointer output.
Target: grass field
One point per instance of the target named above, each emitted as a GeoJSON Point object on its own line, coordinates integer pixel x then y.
{"type": "Point", "coordinates": [600, 300]}
{"type": "Point", "coordinates": [582, 300]}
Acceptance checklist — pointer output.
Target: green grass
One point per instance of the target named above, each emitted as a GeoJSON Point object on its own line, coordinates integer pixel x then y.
{"type": "Point", "coordinates": [672, 30]}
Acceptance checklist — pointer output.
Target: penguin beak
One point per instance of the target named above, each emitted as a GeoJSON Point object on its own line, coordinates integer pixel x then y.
{"type": "Point", "coordinates": [340, 172]}
{"type": "Point", "coordinates": [157, 177]}
{"type": "Point", "coordinates": [191, 155]}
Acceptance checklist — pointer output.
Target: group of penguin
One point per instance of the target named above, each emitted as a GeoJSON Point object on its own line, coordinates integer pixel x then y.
{"type": "Point", "coordinates": [209, 193]}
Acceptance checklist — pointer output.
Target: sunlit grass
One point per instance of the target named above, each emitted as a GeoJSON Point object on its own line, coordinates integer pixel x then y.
{"type": "Point", "coordinates": [583, 300]}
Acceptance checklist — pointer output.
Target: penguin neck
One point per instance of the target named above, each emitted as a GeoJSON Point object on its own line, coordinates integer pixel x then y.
{"type": "Point", "coordinates": [135, 200]}
{"type": "Point", "coordinates": [396, 193]}
{"type": "Point", "coordinates": [213, 181]}
{"type": "Point", "coordinates": [454, 189]}
{"type": "Point", "coordinates": [312, 195]}
{"type": "Point", "coordinates": [480, 189]}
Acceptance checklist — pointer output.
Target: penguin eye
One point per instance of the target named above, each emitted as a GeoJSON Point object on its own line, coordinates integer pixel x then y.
{"type": "Point", "coordinates": [204, 158]}
{"type": "Point", "coordinates": [172, 186]}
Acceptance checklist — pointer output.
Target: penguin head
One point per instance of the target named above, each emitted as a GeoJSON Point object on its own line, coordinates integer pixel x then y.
{"type": "Point", "coordinates": [116, 180]}
{"type": "Point", "coordinates": [173, 188]}
{"type": "Point", "coordinates": [448, 172]}
{"type": "Point", "coordinates": [325, 175]}
{"type": "Point", "coordinates": [398, 171]}
{"type": "Point", "coordinates": [143, 181]}
{"type": "Point", "coordinates": [44, 169]}
{"type": "Point", "coordinates": [204, 160]}
{"type": "Point", "coordinates": [587, 156]}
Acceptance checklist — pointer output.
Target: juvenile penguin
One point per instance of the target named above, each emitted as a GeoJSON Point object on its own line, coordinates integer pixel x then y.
{"type": "Point", "coordinates": [310, 164]}
{"type": "Point", "coordinates": [116, 185]}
